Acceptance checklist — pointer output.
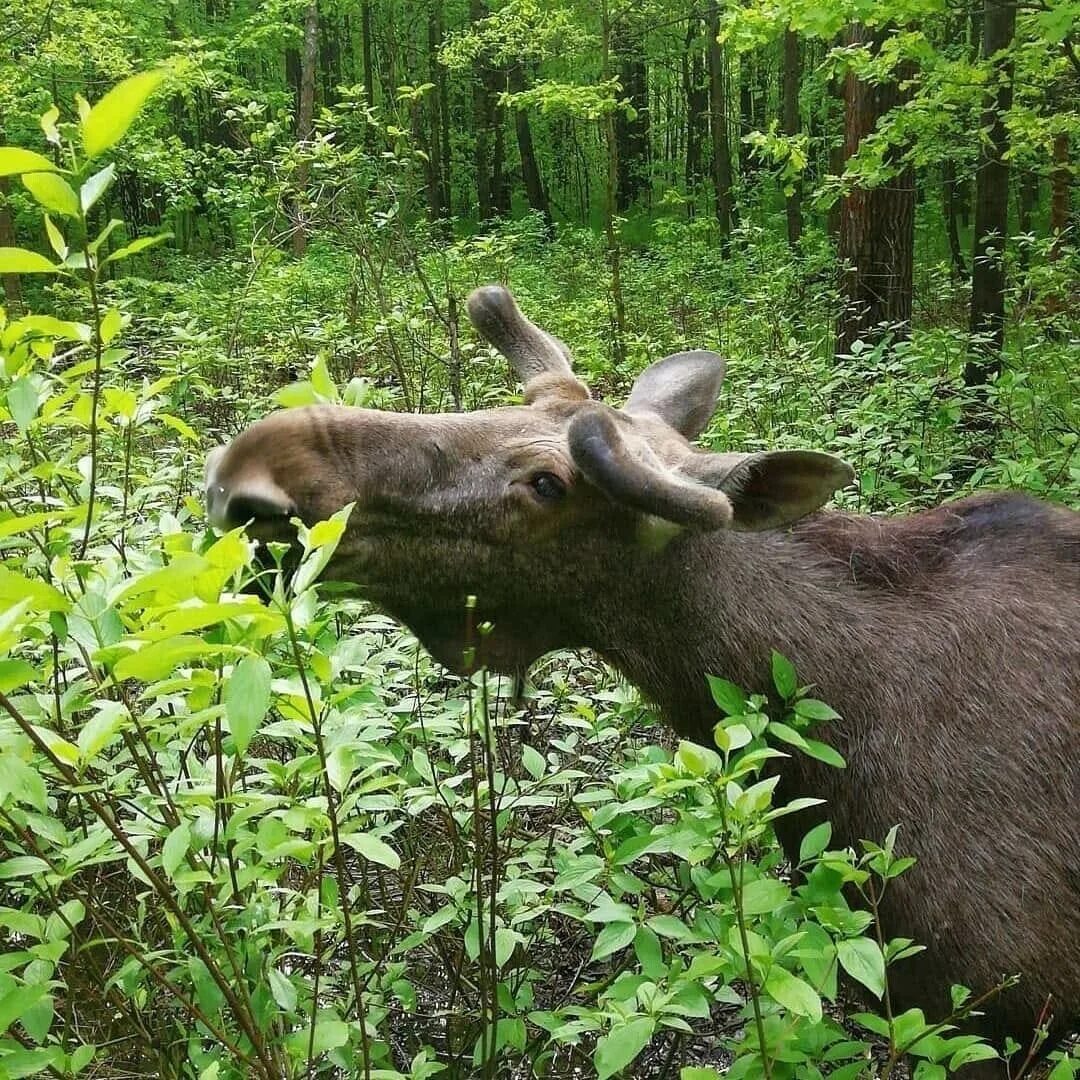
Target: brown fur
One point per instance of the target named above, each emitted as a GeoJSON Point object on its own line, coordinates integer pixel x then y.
{"type": "Point", "coordinates": [947, 640]}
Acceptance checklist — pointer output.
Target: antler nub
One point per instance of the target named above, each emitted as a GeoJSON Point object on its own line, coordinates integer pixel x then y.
{"type": "Point", "coordinates": [537, 356]}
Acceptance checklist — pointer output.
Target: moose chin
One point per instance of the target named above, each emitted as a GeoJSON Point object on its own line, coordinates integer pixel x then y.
{"type": "Point", "coordinates": [948, 640]}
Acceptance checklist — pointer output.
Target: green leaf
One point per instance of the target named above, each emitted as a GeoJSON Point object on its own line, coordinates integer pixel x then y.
{"type": "Point", "coordinates": [533, 761]}
{"type": "Point", "coordinates": [695, 1072]}
{"type": "Point", "coordinates": [727, 696]}
{"type": "Point", "coordinates": [110, 325]}
{"type": "Point", "coordinates": [812, 709]}
{"type": "Point", "coordinates": [975, 1052]}
{"type": "Point", "coordinates": [790, 991]}
{"type": "Point", "coordinates": [17, 1001]}
{"type": "Point", "coordinates": [612, 938]}
{"type": "Point", "coordinates": [15, 260]}
{"type": "Point", "coordinates": [101, 728]}
{"type": "Point", "coordinates": [56, 238]}
{"type": "Point", "coordinates": [161, 658]}
{"type": "Point", "coordinates": [140, 244]}
{"type": "Point", "coordinates": [108, 121]}
{"type": "Point", "coordinates": [765, 894]}
{"type": "Point", "coordinates": [21, 866]}
{"type": "Point", "coordinates": [783, 674]}
{"type": "Point", "coordinates": [649, 953]}
{"type": "Point", "coordinates": [21, 782]}
{"type": "Point", "coordinates": [373, 849]}
{"type": "Point", "coordinates": [815, 841]}
{"type": "Point", "coordinates": [506, 941]}
{"type": "Point", "coordinates": [247, 699]}
{"type": "Point", "coordinates": [15, 160]}
{"type": "Point", "coordinates": [861, 958]}
{"type": "Point", "coordinates": [13, 674]}
{"type": "Point", "coordinates": [52, 192]}
{"type": "Point", "coordinates": [621, 1045]}
{"type": "Point", "coordinates": [96, 186]}
{"type": "Point", "coordinates": [823, 752]}
{"type": "Point", "coordinates": [282, 989]}
{"type": "Point", "coordinates": [22, 400]}
{"type": "Point", "coordinates": [175, 848]}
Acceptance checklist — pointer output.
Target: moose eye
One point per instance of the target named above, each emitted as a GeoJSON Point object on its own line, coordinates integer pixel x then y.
{"type": "Point", "coordinates": [548, 486]}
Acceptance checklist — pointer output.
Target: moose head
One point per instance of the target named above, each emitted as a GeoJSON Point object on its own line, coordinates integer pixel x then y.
{"type": "Point", "coordinates": [532, 509]}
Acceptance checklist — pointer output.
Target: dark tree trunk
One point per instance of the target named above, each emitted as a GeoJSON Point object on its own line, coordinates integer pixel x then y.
{"type": "Point", "coordinates": [992, 199]}
{"type": "Point", "coordinates": [1060, 179]}
{"type": "Point", "coordinates": [790, 119]}
{"type": "Point", "coordinates": [718, 129]}
{"type": "Point", "coordinates": [949, 210]}
{"type": "Point", "coordinates": [746, 116]}
{"type": "Point", "coordinates": [631, 132]}
{"type": "Point", "coordinates": [488, 141]}
{"type": "Point", "coordinates": [877, 225]}
{"type": "Point", "coordinates": [530, 170]}
{"type": "Point", "coordinates": [442, 96]}
{"type": "Point", "coordinates": [11, 282]}
{"type": "Point", "coordinates": [305, 120]}
{"type": "Point", "coordinates": [434, 174]}
{"type": "Point", "coordinates": [836, 146]}
{"type": "Point", "coordinates": [368, 52]}
{"type": "Point", "coordinates": [696, 90]}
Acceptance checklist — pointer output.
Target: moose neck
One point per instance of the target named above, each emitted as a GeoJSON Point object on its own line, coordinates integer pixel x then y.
{"type": "Point", "coordinates": [719, 603]}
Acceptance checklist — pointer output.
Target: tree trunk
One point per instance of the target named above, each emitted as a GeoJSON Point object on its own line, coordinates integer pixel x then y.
{"type": "Point", "coordinates": [952, 224]}
{"type": "Point", "coordinates": [631, 132]}
{"type": "Point", "coordinates": [877, 225]}
{"type": "Point", "coordinates": [611, 235]}
{"type": "Point", "coordinates": [1060, 179]}
{"type": "Point", "coordinates": [305, 121]}
{"type": "Point", "coordinates": [368, 52]}
{"type": "Point", "coordinates": [483, 157]}
{"type": "Point", "coordinates": [791, 76]}
{"type": "Point", "coordinates": [438, 201]}
{"type": "Point", "coordinates": [11, 283]}
{"type": "Point", "coordinates": [530, 170]}
{"type": "Point", "coordinates": [746, 116]}
{"type": "Point", "coordinates": [696, 90]}
{"type": "Point", "coordinates": [718, 129]}
{"type": "Point", "coordinates": [992, 199]}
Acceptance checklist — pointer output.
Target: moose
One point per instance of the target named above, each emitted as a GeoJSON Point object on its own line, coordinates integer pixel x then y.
{"type": "Point", "coordinates": [947, 639]}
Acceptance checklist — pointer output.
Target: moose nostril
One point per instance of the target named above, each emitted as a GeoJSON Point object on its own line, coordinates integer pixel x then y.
{"type": "Point", "coordinates": [244, 508]}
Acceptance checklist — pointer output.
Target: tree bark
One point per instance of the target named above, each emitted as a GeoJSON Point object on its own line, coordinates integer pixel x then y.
{"type": "Point", "coordinates": [305, 120]}
{"type": "Point", "coordinates": [696, 90]}
{"type": "Point", "coordinates": [1060, 179]}
{"type": "Point", "coordinates": [952, 224]}
{"type": "Point", "coordinates": [877, 225]}
{"type": "Point", "coordinates": [791, 75]}
{"type": "Point", "coordinates": [631, 132]}
{"type": "Point", "coordinates": [11, 283]}
{"type": "Point", "coordinates": [718, 129]}
{"type": "Point", "coordinates": [992, 199]}
{"type": "Point", "coordinates": [530, 170]}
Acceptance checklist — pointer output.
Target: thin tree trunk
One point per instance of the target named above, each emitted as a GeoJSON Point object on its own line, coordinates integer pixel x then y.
{"type": "Point", "coordinates": [482, 125]}
{"type": "Point", "coordinates": [438, 207]}
{"type": "Point", "coordinates": [368, 52]}
{"type": "Point", "coordinates": [952, 224]}
{"type": "Point", "coordinates": [718, 125]}
{"type": "Point", "coordinates": [1060, 179]}
{"type": "Point", "coordinates": [11, 283]}
{"type": "Point", "coordinates": [877, 225]}
{"type": "Point", "coordinates": [992, 199]}
{"type": "Point", "coordinates": [696, 90]}
{"type": "Point", "coordinates": [530, 170]}
{"type": "Point", "coordinates": [614, 245]}
{"type": "Point", "coordinates": [631, 132]}
{"type": "Point", "coordinates": [305, 120]}
{"type": "Point", "coordinates": [791, 76]}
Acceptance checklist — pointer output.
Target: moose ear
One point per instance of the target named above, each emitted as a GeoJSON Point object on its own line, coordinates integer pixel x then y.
{"type": "Point", "coordinates": [681, 389]}
{"type": "Point", "coordinates": [772, 488]}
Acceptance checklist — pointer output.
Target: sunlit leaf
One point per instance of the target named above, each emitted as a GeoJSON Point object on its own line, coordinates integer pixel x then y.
{"type": "Point", "coordinates": [15, 260]}
{"type": "Point", "coordinates": [15, 160]}
{"type": "Point", "coordinates": [108, 121]}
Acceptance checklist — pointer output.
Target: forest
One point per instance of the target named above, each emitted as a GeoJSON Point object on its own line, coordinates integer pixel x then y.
{"type": "Point", "coordinates": [249, 827]}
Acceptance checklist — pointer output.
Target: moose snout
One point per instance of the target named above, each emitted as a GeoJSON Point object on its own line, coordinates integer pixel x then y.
{"type": "Point", "coordinates": [231, 503]}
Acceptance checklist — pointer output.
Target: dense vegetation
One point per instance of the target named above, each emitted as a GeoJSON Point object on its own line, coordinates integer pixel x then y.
{"type": "Point", "coordinates": [248, 828]}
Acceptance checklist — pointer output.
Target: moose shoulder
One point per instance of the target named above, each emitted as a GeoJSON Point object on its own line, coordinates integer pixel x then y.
{"type": "Point", "coordinates": [948, 640]}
